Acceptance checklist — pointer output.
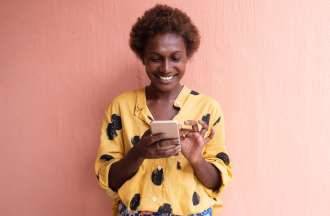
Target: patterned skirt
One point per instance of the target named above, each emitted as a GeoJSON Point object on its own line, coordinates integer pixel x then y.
{"type": "Point", "coordinates": [123, 211]}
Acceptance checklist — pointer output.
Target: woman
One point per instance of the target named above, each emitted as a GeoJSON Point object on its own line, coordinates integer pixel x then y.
{"type": "Point", "coordinates": [144, 173]}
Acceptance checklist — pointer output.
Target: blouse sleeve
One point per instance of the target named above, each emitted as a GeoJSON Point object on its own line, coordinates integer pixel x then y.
{"type": "Point", "coordinates": [216, 152]}
{"type": "Point", "coordinates": [111, 147]}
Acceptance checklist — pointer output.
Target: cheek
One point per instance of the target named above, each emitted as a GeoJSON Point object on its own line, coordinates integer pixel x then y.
{"type": "Point", "coordinates": [151, 67]}
{"type": "Point", "coordinates": [181, 68]}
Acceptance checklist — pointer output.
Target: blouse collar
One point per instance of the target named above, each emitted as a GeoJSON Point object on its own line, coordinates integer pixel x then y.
{"type": "Point", "coordinates": [142, 111]}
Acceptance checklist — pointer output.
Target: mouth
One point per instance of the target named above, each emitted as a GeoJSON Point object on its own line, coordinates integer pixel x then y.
{"type": "Point", "coordinates": [165, 79]}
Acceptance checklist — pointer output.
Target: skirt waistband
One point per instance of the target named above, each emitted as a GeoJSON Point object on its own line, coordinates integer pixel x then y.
{"type": "Point", "coordinates": [124, 211]}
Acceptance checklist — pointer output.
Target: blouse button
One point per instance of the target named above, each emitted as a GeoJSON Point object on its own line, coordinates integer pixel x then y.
{"type": "Point", "coordinates": [154, 199]}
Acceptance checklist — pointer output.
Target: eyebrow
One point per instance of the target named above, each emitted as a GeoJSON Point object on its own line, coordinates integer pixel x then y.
{"type": "Point", "coordinates": [175, 52]}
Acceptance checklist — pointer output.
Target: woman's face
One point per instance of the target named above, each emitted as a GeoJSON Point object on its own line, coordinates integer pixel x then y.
{"type": "Point", "coordinates": [165, 61]}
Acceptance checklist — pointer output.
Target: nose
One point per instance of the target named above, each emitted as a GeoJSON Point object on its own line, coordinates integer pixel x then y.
{"type": "Point", "coordinates": [165, 68]}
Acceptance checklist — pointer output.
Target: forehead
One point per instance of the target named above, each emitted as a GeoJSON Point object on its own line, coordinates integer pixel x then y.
{"type": "Point", "coordinates": [165, 43]}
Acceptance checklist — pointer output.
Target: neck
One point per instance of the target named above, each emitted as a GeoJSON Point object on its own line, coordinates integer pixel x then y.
{"type": "Point", "coordinates": [155, 94]}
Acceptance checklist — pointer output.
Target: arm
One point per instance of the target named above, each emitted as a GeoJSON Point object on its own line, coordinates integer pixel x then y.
{"type": "Point", "coordinates": [111, 147]}
{"type": "Point", "coordinates": [207, 174]}
{"type": "Point", "coordinates": [207, 154]}
{"type": "Point", "coordinates": [193, 143]}
{"type": "Point", "coordinates": [125, 168]}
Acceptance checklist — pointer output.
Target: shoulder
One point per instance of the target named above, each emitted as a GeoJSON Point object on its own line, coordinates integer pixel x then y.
{"type": "Point", "coordinates": [124, 100]}
{"type": "Point", "coordinates": [125, 97]}
{"type": "Point", "coordinates": [209, 102]}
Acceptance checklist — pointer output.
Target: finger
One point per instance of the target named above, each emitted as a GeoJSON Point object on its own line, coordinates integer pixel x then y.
{"type": "Point", "coordinates": [177, 150]}
{"type": "Point", "coordinates": [196, 137]}
{"type": "Point", "coordinates": [165, 149]}
{"type": "Point", "coordinates": [160, 137]}
{"type": "Point", "coordinates": [184, 132]}
{"type": "Point", "coordinates": [147, 133]}
{"type": "Point", "coordinates": [155, 138]}
{"type": "Point", "coordinates": [193, 123]}
{"type": "Point", "coordinates": [153, 150]}
{"type": "Point", "coordinates": [169, 152]}
{"type": "Point", "coordinates": [204, 128]}
{"type": "Point", "coordinates": [175, 141]}
{"type": "Point", "coordinates": [212, 133]}
{"type": "Point", "coordinates": [192, 134]}
{"type": "Point", "coordinates": [190, 122]}
{"type": "Point", "coordinates": [164, 145]}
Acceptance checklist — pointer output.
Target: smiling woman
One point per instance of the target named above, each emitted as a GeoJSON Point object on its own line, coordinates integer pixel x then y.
{"type": "Point", "coordinates": [149, 174]}
{"type": "Point", "coordinates": [165, 61]}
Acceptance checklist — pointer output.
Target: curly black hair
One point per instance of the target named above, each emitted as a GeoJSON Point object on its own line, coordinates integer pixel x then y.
{"type": "Point", "coordinates": [163, 19]}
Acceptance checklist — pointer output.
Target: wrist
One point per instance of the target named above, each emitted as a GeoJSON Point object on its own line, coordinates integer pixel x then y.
{"type": "Point", "coordinates": [136, 154]}
{"type": "Point", "coordinates": [197, 160]}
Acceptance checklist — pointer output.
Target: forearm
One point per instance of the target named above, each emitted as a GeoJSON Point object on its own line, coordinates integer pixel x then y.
{"type": "Point", "coordinates": [207, 174]}
{"type": "Point", "coordinates": [124, 169]}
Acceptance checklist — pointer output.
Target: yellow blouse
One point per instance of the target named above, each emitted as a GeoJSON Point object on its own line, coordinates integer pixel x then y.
{"type": "Point", "coordinates": [167, 183]}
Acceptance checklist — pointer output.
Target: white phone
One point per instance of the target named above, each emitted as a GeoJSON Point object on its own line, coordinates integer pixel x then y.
{"type": "Point", "coordinates": [169, 127]}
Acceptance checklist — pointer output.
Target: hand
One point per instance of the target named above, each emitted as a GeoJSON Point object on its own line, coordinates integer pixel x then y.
{"type": "Point", "coordinates": [156, 146]}
{"type": "Point", "coordinates": [193, 141]}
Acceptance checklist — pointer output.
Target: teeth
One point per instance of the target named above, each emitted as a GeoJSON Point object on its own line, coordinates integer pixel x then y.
{"type": "Point", "coordinates": [165, 78]}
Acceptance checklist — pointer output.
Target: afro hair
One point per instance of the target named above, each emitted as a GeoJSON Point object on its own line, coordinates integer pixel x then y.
{"type": "Point", "coordinates": [163, 19]}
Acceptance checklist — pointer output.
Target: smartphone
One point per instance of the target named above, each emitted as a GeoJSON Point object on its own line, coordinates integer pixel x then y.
{"type": "Point", "coordinates": [169, 127]}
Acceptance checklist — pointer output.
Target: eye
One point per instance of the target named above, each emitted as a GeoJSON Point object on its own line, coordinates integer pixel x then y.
{"type": "Point", "coordinates": [176, 58]}
{"type": "Point", "coordinates": [155, 59]}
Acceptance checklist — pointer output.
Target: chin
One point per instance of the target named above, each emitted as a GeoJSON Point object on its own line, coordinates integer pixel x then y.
{"type": "Point", "coordinates": [165, 88]}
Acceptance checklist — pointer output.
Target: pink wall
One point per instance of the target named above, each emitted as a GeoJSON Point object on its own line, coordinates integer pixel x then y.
{"type": "Point", "coordinates": [267, 62]}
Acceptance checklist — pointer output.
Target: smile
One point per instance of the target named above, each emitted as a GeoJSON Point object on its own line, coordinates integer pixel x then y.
{"type": "Point", "coordinates": [166, 78]}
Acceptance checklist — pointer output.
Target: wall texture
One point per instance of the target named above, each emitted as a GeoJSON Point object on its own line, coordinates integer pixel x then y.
{"type": "Point", "coordinates": [267, 62]}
